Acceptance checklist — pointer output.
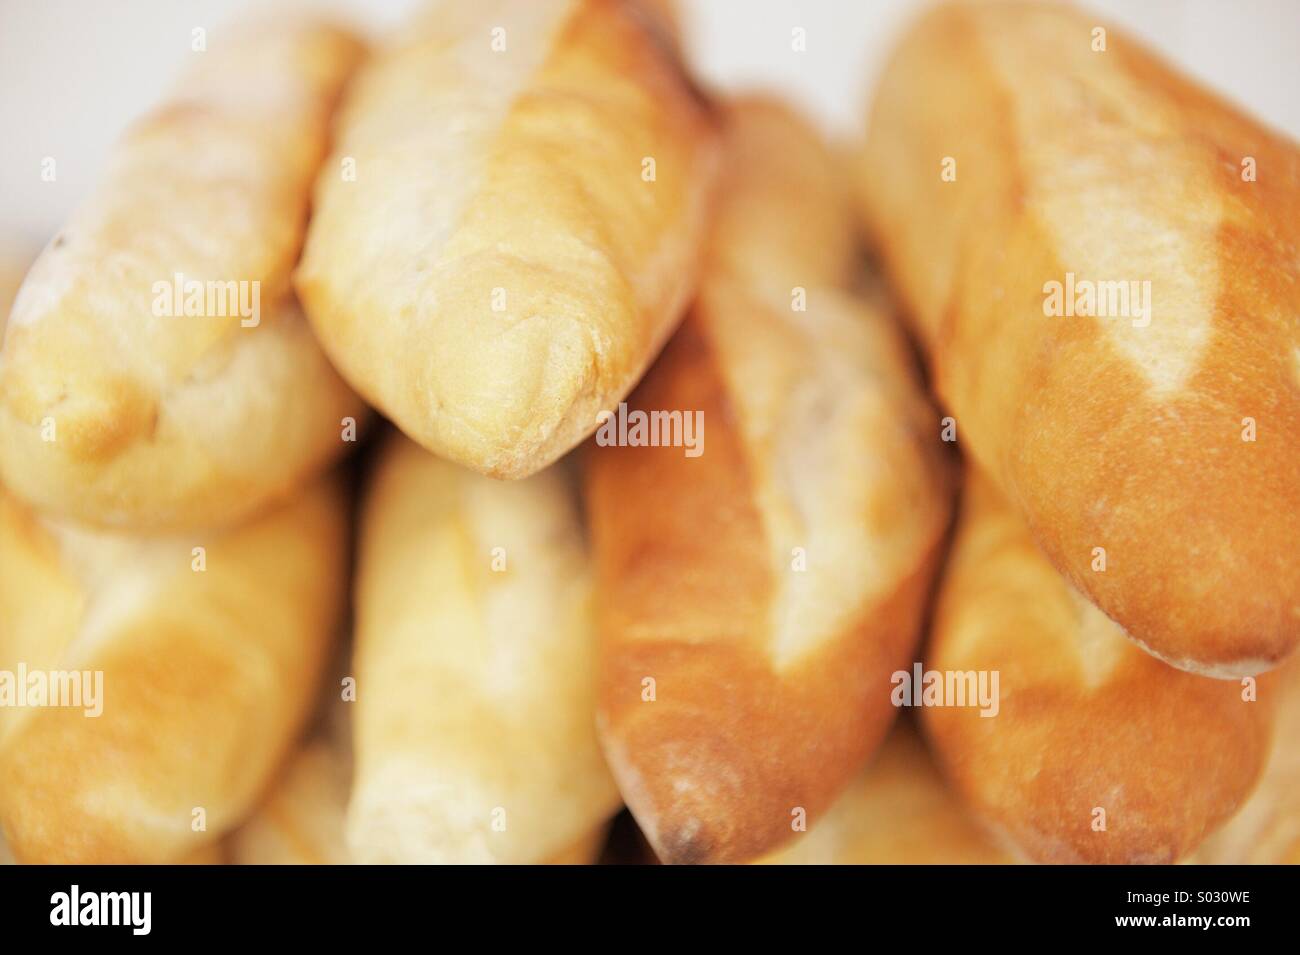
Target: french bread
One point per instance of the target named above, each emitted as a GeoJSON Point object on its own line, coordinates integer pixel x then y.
{"type": "Point", "coordinates": [1105, 279]}
{"type": "Point", "coordinates": [899, 811]}
{"type": "Point", "coordinates": [756, 592]}
{"type": "Point", "coordinates": [301, 822]}
{"type": "Point", "coordinates": [522, 229]}
{"type": "Point", "coordinates": [196, 669]}
{"type": "Point", "coordinates": [1093, 751]}
{"type": "Point", "coordinates": [475, 667]}
{"type": "Point", "coordinates": [157, 373]}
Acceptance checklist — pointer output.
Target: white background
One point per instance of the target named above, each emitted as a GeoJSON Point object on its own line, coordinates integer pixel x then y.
{"type": "Point", "coordinates": [74, 72]}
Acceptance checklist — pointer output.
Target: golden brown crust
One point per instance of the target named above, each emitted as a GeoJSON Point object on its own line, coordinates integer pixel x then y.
{"type": "Point", "coordinates": [900, 811]}
{"type": "Point", "coordinates": [1124, 433]}
{"type": "Point", "coordinates": [770, 585]}
{"type": "Point", "coordinates": [114, 411]}
{"type": "Point", "coordinates": [209, 664]}
{"type": "Point", "coordinates": [475, 661]}
{"type": "Point", "coordinates": [1086, 723]}
{"type": "Point", "coordinates": [499, 271]}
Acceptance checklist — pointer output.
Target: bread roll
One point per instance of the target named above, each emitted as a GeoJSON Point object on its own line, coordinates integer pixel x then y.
{"type": "Point", "coordinates": [206, 664]}
{"type": "Point", "coordinates": [898, 812]}
{"type": "Point", "coordinates": [1086, 730]}
{"type": "Point", "coordinates": [301, 822]}
{"type": "Point", "coordinates": [1266, 830]}
{"type": "Point", "coordinates": [756, 591]}
{"type": "Point", "coordinates": [499, 269]}
{"type": "Point", "coordinates": [475, 739]}
{"type": "Point", "coordinates": [117, 408]}
{"type": "Point", "coordinates": [1163, 435]}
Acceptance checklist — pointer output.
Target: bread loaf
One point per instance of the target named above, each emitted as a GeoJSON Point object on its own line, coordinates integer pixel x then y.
{"type": "Point", "coordinates": [1091, 750]}
{"type": "Point", "coordinates": [758, 585]}
{"type": "Point", "coordinates": [521, 232]}
{"type": "Point", "coordinates": [1100, 258]}
{"type": "Point", "coordinates": [475, 659]}
{"type": "Point", "coordinates": [157, 374]}
{"type": "Point", "coordinates": [193, 660]}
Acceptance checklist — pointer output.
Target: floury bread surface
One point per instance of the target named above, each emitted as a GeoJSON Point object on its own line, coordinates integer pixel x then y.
{"type": "Point", "coordinates": [475, 665]}
{"type": "Point", "coordinates": [1152, 453]}
{"type": "Point", "coordinates": [208, 663]}
{"type": "Point", "coordinates": [522, 231]}
{"type": "Point", "coordinates": [755, 599]}
{"type": "Point", "coordinates": [116, 410]}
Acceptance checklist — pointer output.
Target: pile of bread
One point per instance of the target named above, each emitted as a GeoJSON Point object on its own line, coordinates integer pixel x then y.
{"type": "Point", "coordinates": [509, 218]}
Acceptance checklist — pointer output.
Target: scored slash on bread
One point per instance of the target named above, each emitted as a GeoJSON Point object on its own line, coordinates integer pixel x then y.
{"type": "Point", "coordinates": [771, 678]}
{"type": "Point", "coordinates": [208, 674]}
{"type": "Point", "coordinates": [1124, 434]}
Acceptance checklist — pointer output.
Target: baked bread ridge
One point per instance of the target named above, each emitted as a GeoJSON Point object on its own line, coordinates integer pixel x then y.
{"type": "Point", "coordinates": [770, 585]}
{"type": "Point", "coordinates": [1082, 166]}
{"type": "Point", "coordinates": [474, 660]}
{"type": "Point", "coordinates": [899, 811]}
{"type": "Point", "coordinates": [493, 310]}
{"type": "Point", "coordinates": [118, 409]}
{"type": "Point", "coordinates": [209, 664]}
{"type": "Point", "coordinates": [1084, 721]}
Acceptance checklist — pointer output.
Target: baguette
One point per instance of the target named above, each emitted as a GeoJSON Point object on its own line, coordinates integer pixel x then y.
{"type": "Point", "coordinates": [1152, 453]}
{"type": "Point", "coordinates": [754, 599]}
{"type": "Point", "coordinates": [499, 271]}
{"type": "Point", "coordinates": [116, 412]}
{"type": "Point", "coordinates": [1087, 730]}
{"type": "Point", "coordinates": [898, 812]}
{"type": "Point", "coordinates": [209, 664]}
{"type": "Point", "coordinates": [475, 661]}
{"type": "Point", "coordinates": [302, 821]}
